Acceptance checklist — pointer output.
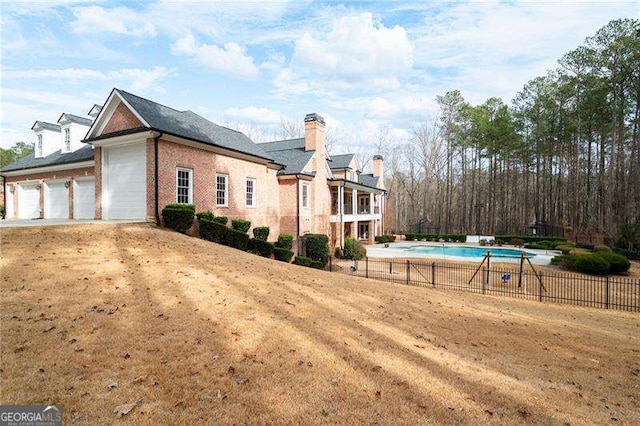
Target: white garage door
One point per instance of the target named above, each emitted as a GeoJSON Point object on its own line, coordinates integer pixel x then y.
{"type": "Point", "coordinates": [9, 208]}
{"type": "Point", "coordinates": [56, 200]}
{"type": "Point", "coordinates": [125, 195]}
{"type": "Point", "coordinates": [84, 196]}
{"type": "Point", "coordinates": [28, 201]}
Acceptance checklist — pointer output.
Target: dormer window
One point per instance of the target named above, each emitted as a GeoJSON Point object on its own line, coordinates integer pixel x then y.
{"type": "Point", "coordinates": [67, 140]}
{"type": "Point", "coordinates": [39, 146]}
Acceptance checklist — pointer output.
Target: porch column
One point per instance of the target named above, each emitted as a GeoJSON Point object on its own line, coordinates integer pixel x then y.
{"type": "Point", "coordinates": [372, 208]}
{"type": "Point", "coordinates": [354, 201]}
{"type": "Point", "coordinates": [341, 201]}
{"type": "Point", "coordinates": [372, 230]}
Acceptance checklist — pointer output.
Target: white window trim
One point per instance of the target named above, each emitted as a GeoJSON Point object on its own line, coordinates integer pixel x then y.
{"type": "Point", "coordinates": [190, 193]}
{"type": "Point", "coordinates": [253, 193]}
{"type": "Point", "coordinates": [226, 190]}
{"type": "Point", "coordinates": [302, 199]}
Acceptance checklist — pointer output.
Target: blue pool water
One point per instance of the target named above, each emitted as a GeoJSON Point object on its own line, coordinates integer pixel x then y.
{"type": "Point", "coordinates": [459, 251]}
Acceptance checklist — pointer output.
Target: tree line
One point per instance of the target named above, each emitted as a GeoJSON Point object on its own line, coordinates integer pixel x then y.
{"type": "Point", "coordinates": [565, 152]}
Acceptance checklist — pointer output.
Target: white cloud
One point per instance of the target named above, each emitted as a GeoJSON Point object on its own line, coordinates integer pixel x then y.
{"type": "Point", "coordinates": [356, 53]}
{"type": "Point", "coordinates": [253, 114]}
{"type": "Point", "coordinates": [232, 59]}
{"type": "Point", "coordinates": [118, 20]}
{"type": "Point", "coordinates": [135, 79]}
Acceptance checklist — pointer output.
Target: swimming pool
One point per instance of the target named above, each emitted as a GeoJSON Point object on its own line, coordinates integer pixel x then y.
{"type": "Point", "coordinates": [467, 252]}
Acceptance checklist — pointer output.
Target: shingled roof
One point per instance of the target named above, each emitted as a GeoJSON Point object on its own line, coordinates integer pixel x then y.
{"type": "Point", "coordinates": [76, 119]}
{"type": "Point", "coordinates": [57, 158]}
{"type": "Point", "coordinates": [340, 161]}
{"type": "Point", "coordinates": [189, 125]}
{"type": "Point", "coordinates": [282, 145]}
{"type": "Point", "coordinates": [47, 126]}
{"type": "Point", "coordinates": [368, 180]}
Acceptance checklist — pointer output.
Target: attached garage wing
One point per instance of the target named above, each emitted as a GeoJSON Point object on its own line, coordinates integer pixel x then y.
{"type": "Point", "coordinates": [84, 198]}
{"type": "Point", "coordinates": [56, 200]}
{"type": "Point", "coordinates": [124, 194]}
{"type": "Point", "coordinates": [28, 201]}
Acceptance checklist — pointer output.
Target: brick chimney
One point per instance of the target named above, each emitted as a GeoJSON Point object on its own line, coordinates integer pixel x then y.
{"type": "Point", "coordinates": [314, 128]}
{"type": "Point", "coordinates": [378, 169]}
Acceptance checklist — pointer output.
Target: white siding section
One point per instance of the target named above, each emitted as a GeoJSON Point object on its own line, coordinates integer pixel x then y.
{"type": "Point", "coordinates": [56, 200]}
{"type": "Point", "coordinates": [84, 197]}
{"type": "Point", "coordinates": [9, 208]}
{"type": "Point", "coordinates": [28, 201]}
{"type": "Point", "coordinates": [124, 194]}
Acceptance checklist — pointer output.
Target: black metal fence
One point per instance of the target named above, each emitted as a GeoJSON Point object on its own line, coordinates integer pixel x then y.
{"type": "Point", "coordinates": [574, 289]}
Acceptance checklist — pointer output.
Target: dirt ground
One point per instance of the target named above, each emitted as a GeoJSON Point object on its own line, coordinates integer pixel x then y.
{"type": "Point", "coordinates": [98, 316]}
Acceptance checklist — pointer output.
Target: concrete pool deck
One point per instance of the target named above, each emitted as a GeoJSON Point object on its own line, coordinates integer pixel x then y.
{"type": "Point", "coordinates": [400, 250]}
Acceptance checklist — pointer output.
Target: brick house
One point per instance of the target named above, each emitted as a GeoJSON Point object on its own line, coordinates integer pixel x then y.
{"type": "Point", "coordinates": [139, 156]}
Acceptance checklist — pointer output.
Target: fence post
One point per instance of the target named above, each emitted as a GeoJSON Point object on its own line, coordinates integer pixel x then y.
{"type": "Point", "coordinates": [408, 271]}
{"type": "Point", "coordinates": [540, 289]}
{"type": "Point", "coordinates": [484, 285]}
{"type": "Point", "coordinates": [433, 274]}
{"type": "Point", "coordinates": [606, 292]}
{"type": "Point", "coordinates": [390, 269]}
{"type": "Point", "coordinates": [366, 267]}
{"type": "Point", "coordinates": [330, 257]}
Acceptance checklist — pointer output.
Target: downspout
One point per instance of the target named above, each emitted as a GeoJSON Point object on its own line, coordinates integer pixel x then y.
{"type": "Point", "coordinates": [156, 191]}
{"type": "Point", "coordinates": [4, 196]}
{"type": "Point", "coordinates": [298, 215]}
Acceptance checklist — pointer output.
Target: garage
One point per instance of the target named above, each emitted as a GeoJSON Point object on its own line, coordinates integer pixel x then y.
{"type": "Point", "coordinates": [56, 200]}
{"type": "Point", "coordinates": [84, 196]}
{"type": "Point", "coordinates": [9, 208]}
{"type": "Point", "coordinates": [125, 182]}
{"type": "Point", "coordinates": [29, 201]}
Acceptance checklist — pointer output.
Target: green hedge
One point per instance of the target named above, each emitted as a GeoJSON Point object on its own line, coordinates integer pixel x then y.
{"type": "Point", "coordinates": [282, 254]}
{"type": "Point", "coordinates": [237, 239]}
{"type": "Point", "coordinates": [261, 232]}
{"type": "Point", "coordinates": [285, 241]}
{"type": "Point", "coordinates": [353, 249]}
{"type": "Point", "coordinates": [618, 264]}
{"type": "Point", "coordinates": [420, 236]}
{"type": "Point", "coordinates": [241, 225]}
{"type": "Point", "coordinates": [530, 239]}
{"type": "Point", "coordinates": [260, 247]}
{"type": "Point", "coordinates": [316, 264]}
{"type": "Point", "coordinates": [591, 264]}
{"type": "Point", "coordinates": [213, 231]}
{"type": "Point", "coordinates": [542, 245]}
{"type": "Point", "coordinates": [302, 261]}
{"type": "Point", "coordinates": [629, 254]}
{"type": "Point", "coordinates": [2, 211]}
{"type": "Point", "coordinates": [385, 239]}
{"type": "Point", "coordinates": [178, 217]}
{"type": "Point", "coordinates": [318, 248]}
{"type": "Point", "coordinates": [222, 220]}
{"type": "Point", "coordinates": [208, 215]}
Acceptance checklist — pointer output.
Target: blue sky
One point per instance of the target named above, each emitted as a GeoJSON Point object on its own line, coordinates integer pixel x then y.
{"type": "Point", "coordinates": [369, 68]}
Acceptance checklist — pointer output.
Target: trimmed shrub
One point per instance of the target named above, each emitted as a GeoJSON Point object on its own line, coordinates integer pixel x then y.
{"type": "Point", "coordinates": [302, 261]}
{"type": "Point", "coordinates": [531, 239]}
{"type": "Point", "coordinates": [567, 261]}
{"type": "Point", "coordinates": [282, 254]}
{"type": "Point", "coordinates": [618, 264]}
{"type": "Point", "coordinates": [565, 244]}
{"type": "Point", "coordinates": [385, 239]}
{"type": "Point", "coordinates": [482, 242]}
{"type": "Point", "coordinates": [353, 249]}
{"type": "Point", "coordinates": [2, 211]}
{"type": "Point", "coordinates": [518, 242]}
{"type": "Point", "coordinates": [236, 239]}
{"type": "Point", "coordinates": [241, 225]}
{"type": "Point", "coordinates": [564, 249]}
{"type": "Point", "coordinates": [285, 241]}
{"type": "Point", "coordinates": [178, 217]}
{"type": "Point", "coordinates": [588, 246]}
{"type": "Point", "coordinates": [591, 264]}
{"type": "Point", "coordinates": [318, 248]}
{"type": "Point", "coordinates": [316, 264]}
{"type": "Point", "coordinates": [629, 254]}
{"type": "Point", "coordinates": [222, 220]}
{"type": "Point", "coordinates": [601, 248]}
{"type": "Point", "coordinates": [260, 247]}
{"type": "Point", "coordinates": [208, 215]}
{"type": "Point", "coordinates": [410, 237]}
{"type": "Point", "coordinates": [541, 245]}
{"type": "Point", "coordinates": [261, 232]}
{"type": "Point", "coordinates": [337, 253]}
{"type": "Point", "coordinates": [213, 231]}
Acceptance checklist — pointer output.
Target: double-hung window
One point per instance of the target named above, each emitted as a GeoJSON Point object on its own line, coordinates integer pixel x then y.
{"type": "Point", "coordinates": [222, 190]}
{"type": "Point", "coordinates": [39, 147]}
{"type": "Point", "coordinates": [67, 140]}
{"type": "Point", "coordinates": [305, 195]}
{"type": "Point", "coordinates": [184, 186]}
{"type": "Point", "coordinates": [251, 192]}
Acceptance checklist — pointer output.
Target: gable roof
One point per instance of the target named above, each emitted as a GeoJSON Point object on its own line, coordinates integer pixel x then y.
{"type": "Point", "coordinates": [189, 125]}
{"type": "Point", "coordinates": [368, 180]}
{"type": "Point", "coordinates": [85, 153]}
{"type": "Point", "coordinates": [47, 126]}
{"type": "Point", "coordinates": [282, 145]}
{"type": "Point", "coordinates": [294, 160]}
{"type": "Point", "coordinates": [76, 119]}
{"type": "Point", "coordinates": [341, 161]}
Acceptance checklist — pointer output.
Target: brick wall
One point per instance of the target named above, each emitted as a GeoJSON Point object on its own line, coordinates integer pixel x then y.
{"type": "Point", "coordinates": [122, 119]}
{"type": "Point", "coordinates": [42, 179]}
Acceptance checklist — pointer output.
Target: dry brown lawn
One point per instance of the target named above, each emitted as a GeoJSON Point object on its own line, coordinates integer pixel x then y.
{"type": "Point", "coordinates": [93, 317]}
